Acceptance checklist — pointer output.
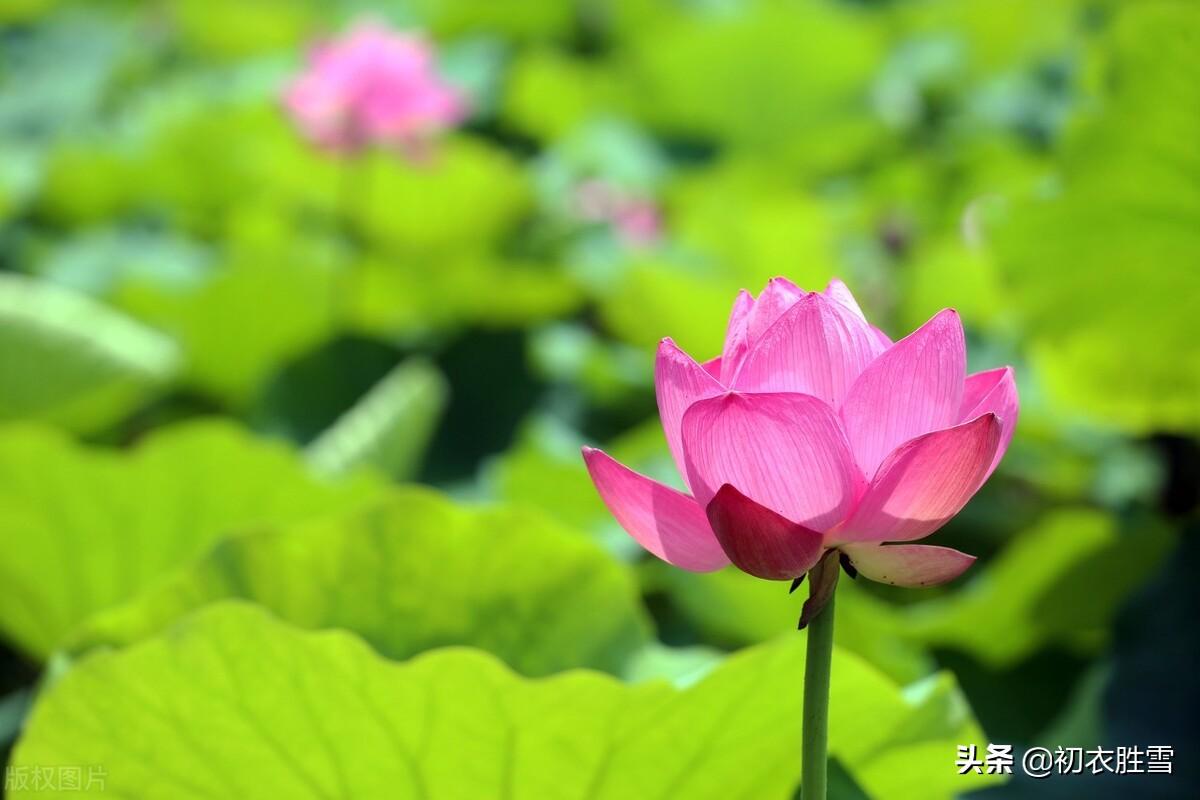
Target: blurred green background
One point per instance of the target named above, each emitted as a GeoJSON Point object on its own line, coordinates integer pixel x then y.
{"type": "Point", "coordinates": [222, 350]}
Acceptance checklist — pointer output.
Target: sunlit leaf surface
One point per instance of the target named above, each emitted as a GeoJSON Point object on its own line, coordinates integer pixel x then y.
{"type": "Point", "coordinates": [69, 360]}
{"type": "Point", "coordinates": [413, 573]}
{"type": "Point", "coordinates": [233, 703]}
{"type": "Point", "coordinates": [86, 528]}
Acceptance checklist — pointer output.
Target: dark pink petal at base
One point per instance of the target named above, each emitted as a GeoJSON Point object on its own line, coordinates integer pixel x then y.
{"type": "Point", "coordinates": [759, 541]}
{"type": "Point", "coordinates": [666, 522]}
{"type": "Point", "coordinates": [911, 565]}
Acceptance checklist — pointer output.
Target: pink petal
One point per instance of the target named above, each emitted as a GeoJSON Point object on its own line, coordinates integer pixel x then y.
{"type": "Point", "coordinates": [924, 483]}
{"type": "Point", "coordinates": [994, 392]}
{"type": "Point", "coordinates": [666, 522]}
{"type": "Point", "coordinates": [736, 339]}
{"type": "Point", "coordinates": [678, 383]}
{"type": "Point", "coordinates": [784, 451]}
{"type": "Point", "coordinates": [779, 295]}
{"type": "Point", "coordinates": [915, 387]}
{"type": "Point", "coordinates": [817, 347]}
{"type": "Point", "coordinates": [839, 292]}
{"type": "Point", "coordinates": [759, 541]}
{"type": "Point", "coordinates": [912, 565]}
{"type": "Point", "coordinates": [881, 338]}
{"type": "Point", "coordinates": [713, 367]}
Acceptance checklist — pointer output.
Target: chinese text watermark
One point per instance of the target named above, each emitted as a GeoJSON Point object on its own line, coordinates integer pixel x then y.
{"type": "Point", "coordinates": [60, 778]}
{"type": "Point", "coordinates": [1042, 762]}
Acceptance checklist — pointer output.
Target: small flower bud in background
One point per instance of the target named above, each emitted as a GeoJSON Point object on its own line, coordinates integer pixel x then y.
{"type": "Point", "coordinates": [373, 86]}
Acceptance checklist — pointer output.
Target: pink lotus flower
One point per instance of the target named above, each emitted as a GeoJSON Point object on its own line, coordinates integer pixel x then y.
{"type": "Point", "coordinates": [373, 85]}
{"type": "Point", "coordinates": [813, 432]}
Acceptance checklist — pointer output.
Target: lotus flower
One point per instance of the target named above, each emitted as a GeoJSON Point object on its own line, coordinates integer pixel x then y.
{"type": "Point", "coordinates": [813, 433]}
{"type": "Point", "coordinates": [373, 86]}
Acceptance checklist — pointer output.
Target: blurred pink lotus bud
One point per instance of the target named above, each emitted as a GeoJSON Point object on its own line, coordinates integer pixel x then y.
{"type": "Point", "coordinates": [811, 432]}
{"type": "Point", "coordinates": [636, 220]}
{"type": "Point", "coordinates": [373, 86]}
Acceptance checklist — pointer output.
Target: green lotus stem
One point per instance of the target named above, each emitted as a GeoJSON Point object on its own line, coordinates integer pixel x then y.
{"type": "Point", "coordinates": [816, 704]}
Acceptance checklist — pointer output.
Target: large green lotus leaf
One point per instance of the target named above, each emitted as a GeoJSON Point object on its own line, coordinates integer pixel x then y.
{"type": "Point", "coordinates": [388, 428]}
{"type": "Point", "coordinates": [766, 75]}
{"type": "Point", "coordinates": [232, 703]}
{"type": "Point", "coordinates": [1105, 273]}
{"type": "Point", "coordinates": [414, 573]}
{"type": "Point", "coordinates": [69, 360]}
{"type": "Point", "coordinates": [736, 609]}
{"type": "Point", "coordinates": [86, 528]}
